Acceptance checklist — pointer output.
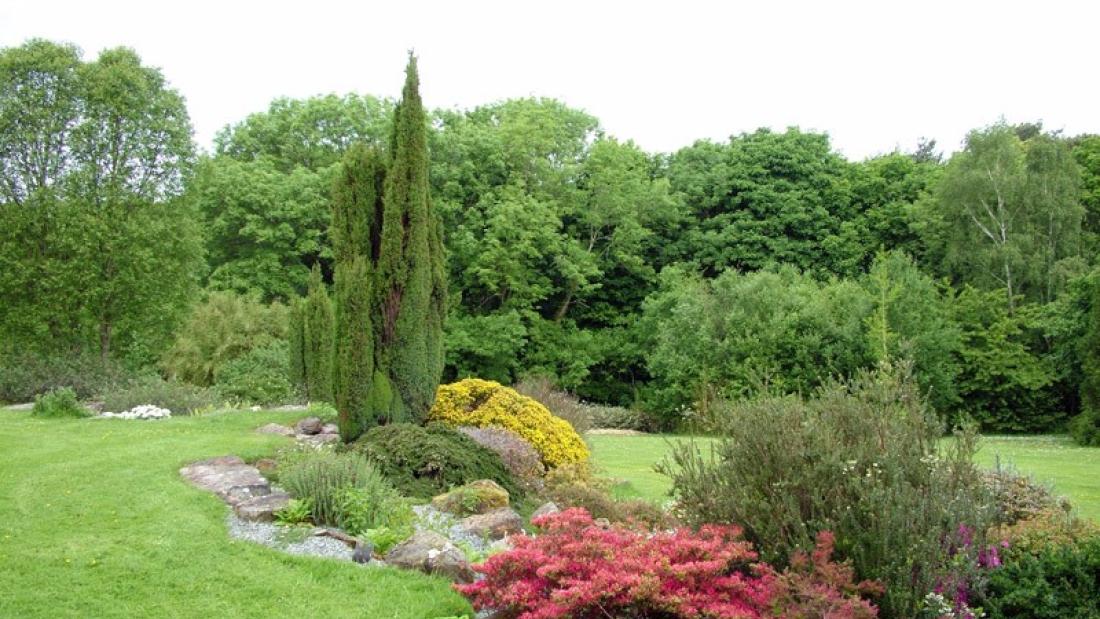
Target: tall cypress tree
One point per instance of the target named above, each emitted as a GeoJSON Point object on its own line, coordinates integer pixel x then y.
{"type": "Point", "coordinates": [318, 335]}
{"type": "Point", "coordinates": [388, 243]}
{"type": "Point", "coordinates": [297, 345]}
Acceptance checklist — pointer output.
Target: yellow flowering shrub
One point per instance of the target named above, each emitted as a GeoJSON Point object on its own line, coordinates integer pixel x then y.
{"type": "Point", "coordinates": [476, 402]}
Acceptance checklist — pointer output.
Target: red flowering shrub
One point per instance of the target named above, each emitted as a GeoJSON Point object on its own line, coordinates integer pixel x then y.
{"type": "Point", "coordinates": [576, 569]}
{"type": "Point", "coordinates": [813, 586]}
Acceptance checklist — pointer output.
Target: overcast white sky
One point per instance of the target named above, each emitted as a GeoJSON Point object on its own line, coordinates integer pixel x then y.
{"type": "Point", "coordinates": [874, 75]}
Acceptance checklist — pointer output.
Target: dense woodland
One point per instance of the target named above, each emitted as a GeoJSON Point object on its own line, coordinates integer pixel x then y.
{"type": "Point", "coordinates": [661, 281]}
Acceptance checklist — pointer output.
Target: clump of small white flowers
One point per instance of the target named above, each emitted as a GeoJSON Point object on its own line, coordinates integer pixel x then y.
{"type": "Point", "coordinates": [142, 411]}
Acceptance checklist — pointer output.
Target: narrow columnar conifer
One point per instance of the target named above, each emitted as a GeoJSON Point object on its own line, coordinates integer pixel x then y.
{"type": "Point", "coordinates": [390, 276]}
{"type": "Point", "coordinates": [296, 361]}
{"type": "Point", "coordinates": [318, 333]}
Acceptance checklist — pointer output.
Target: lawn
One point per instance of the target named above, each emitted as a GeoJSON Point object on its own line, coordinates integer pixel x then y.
{"type": "Point", "coordinates": [1073, 471]}
{"type": "Point", "coordinates": [96, 522]}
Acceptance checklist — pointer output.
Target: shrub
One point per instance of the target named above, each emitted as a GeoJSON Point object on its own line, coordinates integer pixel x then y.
{"type": "Point", "coordinates": [373, 505]}
{"type": "Point", "coordinates": [475, 402]}
{"type": "Point", "coordinates": [1018, 496]}
{"type": "Point", "coordinates": [518, 455]}
{"type": "Point", "coordinates": [561, 404]}
{"type": "Point", "coordinates": [1044, 530]}
{"type": "Point", "coordinates": [1085, 428]}
{"type": "Point", "coordinates": [180, 398]}
{"type": "Point", "coordinates": [221, 328]}
{"type": "Point", "coordinates": [259, 375]}
{"type": "Point", "coordinates": [425, 461]}
{"type": "Point", "coordinates": [575, 485]}
{"type": "Point", "coordinates": [860, 459]}
{"type": "Point", "coordinates": [25, 375]}
{"type": "Point", "coordinates": [297, 511]}
{"type": "Point", "coordinates": [324, 477]}
{"type": "Point", "coordinates": [619, 418]}
{"type": "Point", "coordinates": [59, 402]}
{"type": "Point", "coordinates": [576, 569]}
{"type": "Point", "coordinates": [1059, 581]}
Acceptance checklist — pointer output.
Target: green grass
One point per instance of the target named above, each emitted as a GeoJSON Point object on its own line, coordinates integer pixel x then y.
{"type": "Point", "coordinates": [1073, 471]}
{"type": "Point", "coordinates": [95, 521]}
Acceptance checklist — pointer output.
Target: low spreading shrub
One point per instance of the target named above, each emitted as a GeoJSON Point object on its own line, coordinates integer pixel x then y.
{"type": "Point", "coordinates": [577, 486]}
{"type": "Point", "coordinates": [180, 398]}
{"type": "Point", "coordinates": [258, 376]}
{"type": "Point", "coordinates": [59, 402]}
{"type": "Point", "coordinates": [26, 375]}
{"type": "Point", "coordinates": [562, 404]}
{"type": "Point", "coordinates": [863, 459]}
{"type": "Point", "coordinates": [576, 569]}
{"type": "Point", "coordinates": [324, 478]}
{"type": "Point", "coordinates": [619, 418]}
{"type": "Point", "coordinates": [297, 511]}
{"type": "Point", "coordinates": [425, 461]}
{"type": "Point", "coordinates": [1018, 496]}
{"type": "Point", "coordinates": [476, 402]}
{"type": "Point", "coordinates": [1061, 580]}
{"type": "Point", "coordinates": [517, 454]}
{"type": "Point", "coordinates": [1044, 530]}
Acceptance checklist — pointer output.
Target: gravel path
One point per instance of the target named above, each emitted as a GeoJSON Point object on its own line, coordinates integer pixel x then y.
{"type": "Point", "coordinates": [288, 539]}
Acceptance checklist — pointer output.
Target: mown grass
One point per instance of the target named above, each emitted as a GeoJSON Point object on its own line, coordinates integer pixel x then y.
{"type": "Point", "coordinates": [95, 521]}
{"type": "Point", "coordinates": [1073, 471]}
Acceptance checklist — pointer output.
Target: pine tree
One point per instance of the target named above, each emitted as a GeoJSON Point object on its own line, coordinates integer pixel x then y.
{"type": "Point", "coordinates": [318, 335]}
{"type": "Point", "coordinates": [390, 276]}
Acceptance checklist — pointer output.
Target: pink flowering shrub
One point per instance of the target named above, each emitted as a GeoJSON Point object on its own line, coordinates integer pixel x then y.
{"type": "Point", "coordinates": [576, 569]}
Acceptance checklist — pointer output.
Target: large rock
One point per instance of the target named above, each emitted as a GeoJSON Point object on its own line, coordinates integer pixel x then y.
{"type": "Point", "coordinates": [228, 477]}
{"type": "Point", "coordinates": [318, 440]}
{"type": "Point", "coordinates": [330, 428]}
{"type": "Point", "coordinates": [309, 426]}
{"type": "Point", "coordinates": [262, 508]}
{"type": "Point", "coordinates": [476, 497]}
{"type": "Point", "coordinates": [275, 428]}
{"type": "Point", "coordinates": [431, 553]}
{"type": "Point", "coordinates": [493, 525]}
{"type": "Point", "coordinates": [545, 510]}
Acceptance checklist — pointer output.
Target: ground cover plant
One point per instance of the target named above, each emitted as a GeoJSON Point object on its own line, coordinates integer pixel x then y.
{"type": "Point", "coordinates": [102, 503]}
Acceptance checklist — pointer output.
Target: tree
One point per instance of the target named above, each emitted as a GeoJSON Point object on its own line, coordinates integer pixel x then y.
{"type": "Point", "coordinates": [318, 336]}
{"type": "Point", "coordinates": [392, 244]}
{"type": "Point", "coordinates": [94, 157]}
{"type": "Point", "coordinates": [1006, 214]}
{"type": "Point", "coordinates": [1085, 428]}
{"type": "Point", "coordinates": [296, 345]}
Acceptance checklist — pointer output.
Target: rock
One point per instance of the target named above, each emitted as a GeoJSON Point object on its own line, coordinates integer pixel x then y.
{"type": "Point", "coordinates": [262, 508]}
{"type": "Point", "coordinates": [338, 534]}
{"type": "Point", "coordinates": [266, 465]}
{"type": "Point", "coordinates": [545, 510]}
{"type": "Point", "coordinates": [493, 525]}
{"type": "Point", "coordinates": [25, 406]}
{"type": "Point", "coordinates": [242, 494]}
{"type": "Point", "coordinates": [309, 426]}
{"type": "Point", "coordinates": [290, 408]}
{"type": "Point", "coordinates": [603, 523]}
{"type": "Point", "coordinates": [221, 475]}
{"type": "Point", "coordinates": [431, 553]}
{"type": "Point", "coordinates": [330, 428]}
{"type": "Point", "coordinates": [362, 552]}
{"type": "Point", "coordinates": [275, 428]}
{"type": "Point", "coordinates": [318, 440]}
{"type": "Point", "coordinates": [477, 497]}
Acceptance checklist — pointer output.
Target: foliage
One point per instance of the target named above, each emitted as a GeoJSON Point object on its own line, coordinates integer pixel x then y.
{"type": "Point", "coordinates": [297, 511]}
{"type": "Point", "coordinates": [521, 459]}
{"type": "Point", "coordinates": [727, 337]}
{"type": "Point", "coordinates": [101, 248]}
{"type": "Point", "coordinates": [892, 496]}
{"type": "Point", "coordinates": [57, 403]}
{"type": "Point", "coordinates": [1045, 529]}
{"type": "Point", "coordinates": [179, 397]}
{"type": "Point", "coordinates": [317, 340]}
{"type": "Point", "coordinates": [1018, 496]}
{"type": "Point", "coordinates": [26, 374]}
{"type": "Point", "coordinates": [324, 477]}
{"type": "Point", "coordinates": [815, 586]}
{"type": "Point", "coordinates": [562, 404]}
{"type": "Point", "coordinates": [385, 538]}
{"type": "Point", "coordinates": [476, 402]}
{"type": "Point", "coordinates": [372, 505]}
{"type": "Point", "coordinates": [425, 461]}
{"type": "Point", "coordinates": [1058, 581]}
{"type": "Point", "coordinates": [221, 328]}
{"type": "Point", "coordinates": [259, 376]}
{"type": "Point", "coordinates": [578, 569]}
{"type": "Point", "coordinates": [618, 417]}
{"type": "Point", "coordinates": [1085, 428]}
{"type": "Point", "coordinates": [577, 485]}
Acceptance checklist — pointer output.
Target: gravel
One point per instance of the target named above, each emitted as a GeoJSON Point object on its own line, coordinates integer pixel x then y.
{"type": "Point", "coordinates": [288, 539]}
{"type": "Point", "coordinates": [429, 518]}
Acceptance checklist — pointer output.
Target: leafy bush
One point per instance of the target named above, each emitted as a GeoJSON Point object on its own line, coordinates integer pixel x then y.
{"type": "Point", "coordinates": [1059, 581]}
{"type": "Point", "coordinates": [517, 454]}
{"type": "Point", "coordinates": [259, 375]}
{"type": "Point", "coordinates": [223, 327]}
{"type": "Point", "coordinates": [1044, 530]}
{"type": "Point", "coordinates": [297, 511]}
{"type": "Point", "coordinates": [373, 505]}
{"type": "Point", "coordinates": [180, 398]}
{"type": "Point", "coordinates": [425, 461]}
{"type": "Point", "coordinates": [1085, 428]}
{"type": "Point", "coordinates": [1018, 496]}
{"type": "Point", "coordinates": [476, 402]}
{"type": "Point", "coordinates": [619, 418]}
{"type": "Point", "coordinates": [576, 569]}
{"type": "Point", "coordinates": [562, 404]}
{"type": "Point", "coordinates": [26, 375]}
{"type": "Point", "coordinates": [860, 459]}
{"type": "Point", "coordinates": [576, 485]}
{"type": "Point", "coordinates": [59, 402]}
{"type": "Point", "coordinates": [324, 477]}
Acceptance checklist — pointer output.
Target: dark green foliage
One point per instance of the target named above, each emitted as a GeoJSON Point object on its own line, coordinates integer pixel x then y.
{"type": "Point", "coordinates": [1059, 581]}
{"type": "Point", "coordinates": [1086, 426]}
{"type": "Point", "coordinates": [24, 375]}
{"type": "Point", "coordinates": [296, 345]}
{"type": "Point", "coordinates": [57, 403]}
{"type": "Point", "coordinates": [425, 461]}
{"type": "Point", "coordinates": [258, 376]}
{"type": "Point", "coordinates": [179, 397]}
{"type": "Point", "coordinates": [390, 275]}
{"type": "Point", "coordinates": [862, 459]}
{"type": "Point", "coordinates": [318, 333]}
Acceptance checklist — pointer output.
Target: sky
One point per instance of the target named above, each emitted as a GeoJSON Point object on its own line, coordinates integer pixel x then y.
{"type": "Point", "coordinates": [875, 76]}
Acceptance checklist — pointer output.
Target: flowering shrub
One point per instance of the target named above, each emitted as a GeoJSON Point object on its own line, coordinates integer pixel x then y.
{"type": "Point", "coordinates": [576, 569]}
{"type": "Point", "coordinates": [476, 402]}
{"type": "Point", "coordinates": [1018, 496]}
{"type": "Point", "coordinates": [1046, 529]}
{"type": "Point", "coordinates": [517, 454]}
{"type": "Point", "coordinates": [813, 586]}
